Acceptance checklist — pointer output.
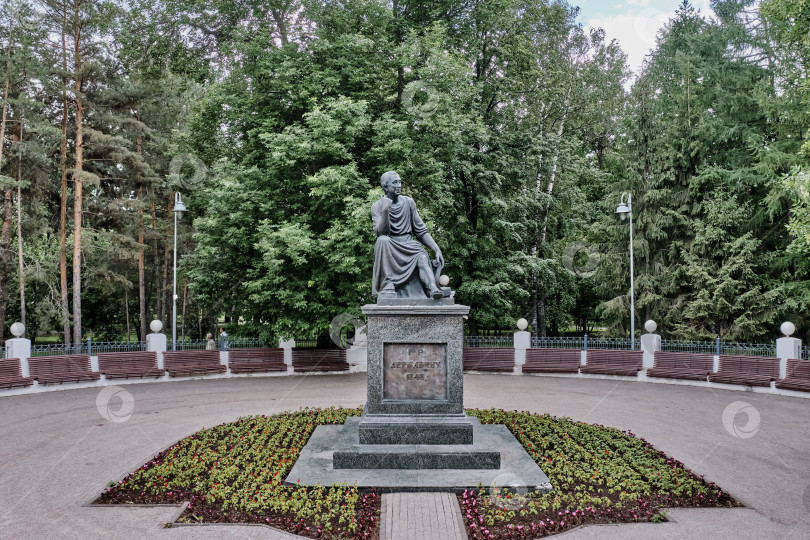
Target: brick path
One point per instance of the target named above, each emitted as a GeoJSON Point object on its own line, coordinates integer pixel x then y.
{"type": "Point", "coordinates": [421, 516]}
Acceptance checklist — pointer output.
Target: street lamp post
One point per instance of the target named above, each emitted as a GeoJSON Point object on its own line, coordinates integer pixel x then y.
{"type": "Point", "coordinates": [624, 210]}
{"type": "Point", "coordinates": [179, 208]}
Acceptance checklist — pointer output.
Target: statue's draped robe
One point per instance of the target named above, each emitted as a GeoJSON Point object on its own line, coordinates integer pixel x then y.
{"type": "Point", "coordinates": [396, 255]}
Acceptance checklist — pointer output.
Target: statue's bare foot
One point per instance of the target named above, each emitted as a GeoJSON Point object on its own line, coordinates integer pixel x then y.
{"type": "Point", "coordinates": [437, 293]}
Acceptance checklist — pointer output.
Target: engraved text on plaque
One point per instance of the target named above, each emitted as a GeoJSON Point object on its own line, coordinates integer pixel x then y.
{"type": "Point", "coordinates": [415, 371]}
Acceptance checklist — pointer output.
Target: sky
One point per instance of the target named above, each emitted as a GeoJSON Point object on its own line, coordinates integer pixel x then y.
{"type": "Point", "coordinates": [634, 23]}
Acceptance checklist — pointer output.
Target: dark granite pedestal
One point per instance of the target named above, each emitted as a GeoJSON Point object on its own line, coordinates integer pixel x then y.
{"type": "Point", "coordinates": [414, 434]}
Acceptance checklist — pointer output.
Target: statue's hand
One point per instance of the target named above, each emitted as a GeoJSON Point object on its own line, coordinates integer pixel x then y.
{"type": "Point", "coordinates": [440, 257]}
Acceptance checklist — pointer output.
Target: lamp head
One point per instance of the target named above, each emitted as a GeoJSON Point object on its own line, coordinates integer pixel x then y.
{"type": "Point", "coordinates": [623, 210]}
{"type": "Point", "coordinates": [179, 207]}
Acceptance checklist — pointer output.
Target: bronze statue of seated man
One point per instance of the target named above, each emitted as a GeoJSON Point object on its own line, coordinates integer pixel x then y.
{"type": "Point", "coordinates": [401, 265]}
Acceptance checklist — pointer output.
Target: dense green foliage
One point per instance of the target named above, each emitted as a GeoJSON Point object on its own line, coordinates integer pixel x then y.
{"type": "Point", "coordinates": [515, 130]}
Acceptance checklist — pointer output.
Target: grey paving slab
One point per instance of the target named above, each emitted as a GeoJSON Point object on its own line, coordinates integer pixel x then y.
{"type": "Point", "coordinates": [421, 516]}
{"type": "Point", "coordinates": [58, 450]}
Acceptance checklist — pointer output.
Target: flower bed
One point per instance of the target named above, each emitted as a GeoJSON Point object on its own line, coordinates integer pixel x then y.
{"type": "Point", "coordinates": [233, 473]}
{"type": "Point", "coordinates": [598, 474]}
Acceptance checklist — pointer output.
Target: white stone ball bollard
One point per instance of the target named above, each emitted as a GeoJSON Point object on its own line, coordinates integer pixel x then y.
{"type": "Point", "coordinates": [156, 326]}
{"type": "Point", "coordinates": [787, 328]}
{"type": "Point", "coordinates": [18, 329]}
{"type": "Point", "coordinates": [444, 280]}
{"type": "Point", "coordinates": [522, 324]}
{"type": "Point", "coordinates": [651, 326]}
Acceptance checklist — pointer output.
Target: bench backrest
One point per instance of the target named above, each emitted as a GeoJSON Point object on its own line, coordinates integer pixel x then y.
{"type": "Point", "coordinates": [553, 355]}
{"type": "Point", "coordinates": [680, 360]}
{"type": "Point", "coordinates": [67, 364]}
{"type": "Point", "coordinates": [143, 359]}
{"type": "Point", "coordinates": [178, 359]}
{"type": "Point", "coordinates": [798, 368]}
{"type": "Point", "coordinates": [750, 365]}
{"type": "Point", "coordinates": [605, 356]}
{"type": "Point", "coordinates": [10, 367]}
{"type": "Point", "coordinates": [492, 355]}
{"type": "Point", "coordinates": [318, 355]}
{"type": "Point", "coordinates": [242, 355]}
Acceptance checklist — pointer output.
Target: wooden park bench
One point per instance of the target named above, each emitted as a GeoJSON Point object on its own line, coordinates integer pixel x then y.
{"type": "Point", "coordinates": [125, 365]}
{"type": "Point", "coordinates": [256, 360]}
{"type": "Point", "coordinates": [186, 363]}
{"type": "Point", "coordinates": [747, 370]}
{"type": "Point", "coordinates": [552, 361]}
{"type": "Point", "coordinates": [611, 362]}
{"type": "Point", "coordinates": [495, 359]}
{"type": "Point", "coordinates": [678, 365]}
{"type": "Point", "coordinates": [315, 360]}
{"type": "Point", "coordinates": [798, 376]}
{"type": "Point", "coordinates": [62, 369]}
{"type": "Point", "coordinates": [11, 374]}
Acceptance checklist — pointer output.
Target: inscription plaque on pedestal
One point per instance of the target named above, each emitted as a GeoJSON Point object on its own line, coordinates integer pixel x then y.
{"type": "Point", "coordinates": [415, 371]}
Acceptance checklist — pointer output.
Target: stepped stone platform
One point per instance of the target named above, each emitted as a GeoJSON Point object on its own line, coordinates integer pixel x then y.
{"type": "Point", "coordinates": [412, 467]}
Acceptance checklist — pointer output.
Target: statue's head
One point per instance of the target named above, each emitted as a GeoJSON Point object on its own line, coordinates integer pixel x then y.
{"type": "Point", "coordinates": [391, 183]}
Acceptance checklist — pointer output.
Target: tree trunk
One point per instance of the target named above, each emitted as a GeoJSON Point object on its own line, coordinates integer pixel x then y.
{"type": "Point", "coordinates": [185, 297]}
{"type": "Point", "coordinates": [5, 230]}
{"type": "Point", "coordinates": [126, 310]}
{"type": "Point", "coordinates": [166, 256]}
{"type": "Point", "coordinates": [65, 311]}
{"type": "Point", "coordinates": [541, 300]}
{"type": "Point", "coordinates": [77, 182]}
{"type": "Point", "coordinates": [141, 264]}
{"type": "Point", "coordinates": [5, 255]}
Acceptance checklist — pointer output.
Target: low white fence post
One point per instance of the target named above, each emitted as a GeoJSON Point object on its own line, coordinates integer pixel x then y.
{"type": "Point", "coordinates": [650, 343]}
{"type": "Point", "coordinates": [156, 342]}
{"type": "Point", "coordinates": [19, 347]}
{"type": "Point", "coordinates": [522, 340]}
{"type": "Point", "coordinates": [716, 357]}
{"type": "Point", "coordinates": [787, 347]}
{"type": "Point", "coordinates": [288, 347]}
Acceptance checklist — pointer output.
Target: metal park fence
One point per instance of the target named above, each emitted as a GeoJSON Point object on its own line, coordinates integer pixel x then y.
{"type": "Point", "coordinates": [609, 343]}
{"type": "Point", "coordinates": [584, 342]}
{"type": "Point", "coordinates": [671, 345]}
{"type": "Point", "coordinates": [561, 342]}
{"type": "Point", "coordinates": [689, 346]}
{"type": "Point", "coordinates": [88, 347]}
{"type": "Point", "coordinates": [489, 341]}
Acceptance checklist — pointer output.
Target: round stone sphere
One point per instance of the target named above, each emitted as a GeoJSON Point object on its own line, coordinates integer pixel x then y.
{"type": "Point", "coordinates": [156, 326]}
{"type": "Point", "coordinates": [444, 280]}
{"type": "Point", "coordinates": [650, 326]}
{"type": "Point", "coordinates": [522, 324]}
{"type": "Point", "coordinates": [18, 329]}
{"type": "Point", "coordinates": [787, 328]}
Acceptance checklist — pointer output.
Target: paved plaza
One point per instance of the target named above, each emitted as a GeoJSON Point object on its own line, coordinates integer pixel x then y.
{"type": "Point", "coordinates": [59, 451]}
